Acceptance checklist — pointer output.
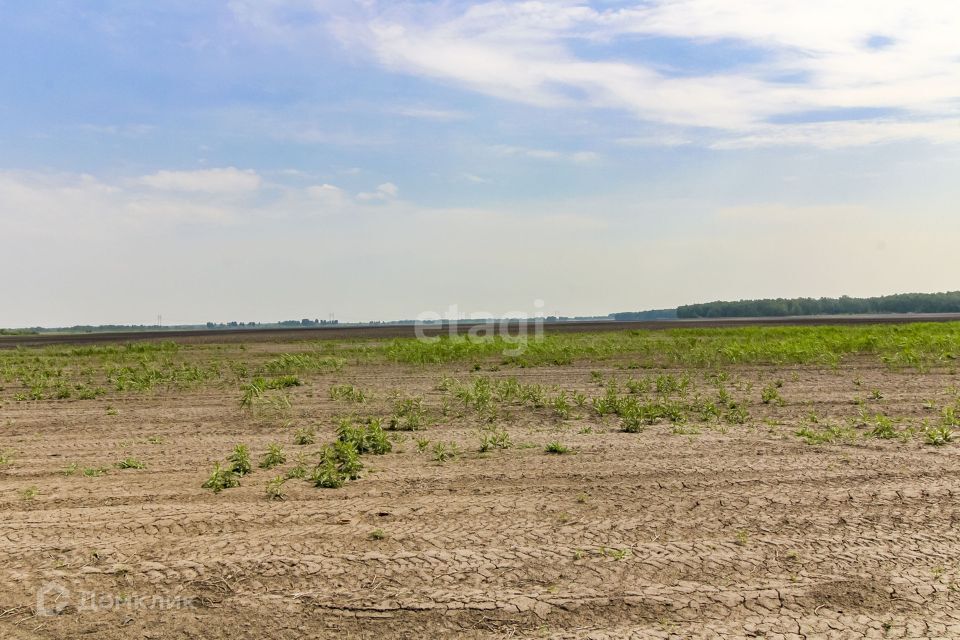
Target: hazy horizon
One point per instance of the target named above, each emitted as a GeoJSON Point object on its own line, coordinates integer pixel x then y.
{"type": "Point", "coordinates": [267, 160]}
{"type": "Point", "coordinates": [450, 313]}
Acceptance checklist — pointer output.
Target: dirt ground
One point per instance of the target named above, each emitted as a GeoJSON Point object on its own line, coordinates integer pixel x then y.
{"type": "Point", "coordinates": [702, 531]}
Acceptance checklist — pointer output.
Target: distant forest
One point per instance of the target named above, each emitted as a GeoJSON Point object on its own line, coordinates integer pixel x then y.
{"type": "Point", "coordinates": [948, 302]}
{"type": "Point", "coordinates": [653, 314]}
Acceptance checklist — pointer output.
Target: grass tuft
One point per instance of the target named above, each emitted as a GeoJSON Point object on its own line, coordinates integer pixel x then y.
{"type": "Point", "coordinates": [556, 448]}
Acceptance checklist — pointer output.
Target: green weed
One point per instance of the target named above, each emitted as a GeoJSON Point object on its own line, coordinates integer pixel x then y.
{"type": "Point", "coordinates": [883, 428]}
{"type": "Point", "coordinates": [938, 436]}
{"type": "Point", "coordinates": [304, 436]}
{"type": "Point", "coordinates": [327, 476]}
{"type": "Point", "coordinates": [274, 488]}
{"type": "Point", "coordinates": [299, 470]}
{"type": "Point", "coordinates": [274, 457]}
{"type": "Point", "coordinates": [409, 414]}
{"type": "Point", "coordinates": [304, 362]}
{"type": "Point", "coordinates": [556, 448]}
{"type": "Point", "coordinates": [239, 460]}
{"type": "Point", "coordinates": [365, 438]}
{"type": "Point", "coordinates": [827, 435]}
{"type": "Point", "coordinates": [496, 438]}
{"type": "Point", "coordinates": [94, 472]}
{"type": "Point", "coordinates": [561, 406]}
{"type": "Point", "coordinates": [443, 451]}
{"type": "Point", "coordinates": [771, 395]}
{"type": "Point", "coordinates": [348, 393]}
{"type": "Point", "coordinates": [344, 457]}
{"type": "Point", "coordinates": [221, 478]}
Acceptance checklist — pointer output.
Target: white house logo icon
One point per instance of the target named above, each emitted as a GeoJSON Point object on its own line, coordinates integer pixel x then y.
{"type": "Point", "coordinates": [52, 599]}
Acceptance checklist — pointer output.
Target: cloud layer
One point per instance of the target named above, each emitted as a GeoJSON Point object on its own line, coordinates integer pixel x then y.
{"type": "Point", "coordinates": [835, 65]}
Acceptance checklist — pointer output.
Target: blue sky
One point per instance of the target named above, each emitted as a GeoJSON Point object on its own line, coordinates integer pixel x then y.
{"type": "Point", "coordinates": [266, 159]}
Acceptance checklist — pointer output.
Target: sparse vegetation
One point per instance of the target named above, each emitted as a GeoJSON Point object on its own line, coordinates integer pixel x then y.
{"type": "Point", "coordinates": [714, 457]}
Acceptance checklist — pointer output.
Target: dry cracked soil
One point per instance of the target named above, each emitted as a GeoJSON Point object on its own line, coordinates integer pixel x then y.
{"type": "Point", "coordinates": [699, 530]}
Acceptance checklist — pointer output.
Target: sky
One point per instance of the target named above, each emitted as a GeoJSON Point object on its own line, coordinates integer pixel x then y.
{"type": "Point", "coordinates": [258, 160]}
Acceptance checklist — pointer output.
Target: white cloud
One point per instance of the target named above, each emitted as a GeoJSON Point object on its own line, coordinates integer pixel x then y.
{"type": "Point", "coordinates": [427, 113]}
{"type": "Point", "coordinates": [521, 52]}
{"type": "Point", "coordinates": [832, 135]}
{"type": "Point", "coordinates": [227, 180]}
{"type": "Point", "coordinates": [579, 157]}
{"type": "Point", "coordinates": [385, 191]}
{"type": "Point", "coordinates": [69, 205]}
{"type": "Point", "coordinates": [61, 206]}
{"type": "Point", "coordinates": [327, 194]}
{"type": "Point", "coordinates": [325, 191]}
{"type": "Point", "coordinates": [656, 140]}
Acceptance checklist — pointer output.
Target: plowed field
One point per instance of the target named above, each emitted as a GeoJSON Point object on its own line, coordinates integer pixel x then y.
{"type": "Point", "coordinates": [717, 522]}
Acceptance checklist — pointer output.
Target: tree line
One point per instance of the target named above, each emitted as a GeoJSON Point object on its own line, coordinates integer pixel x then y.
{"type": "Point", "coordinates": [946, 302]}
{"type": "Point", "coordinates": [652, 314]}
